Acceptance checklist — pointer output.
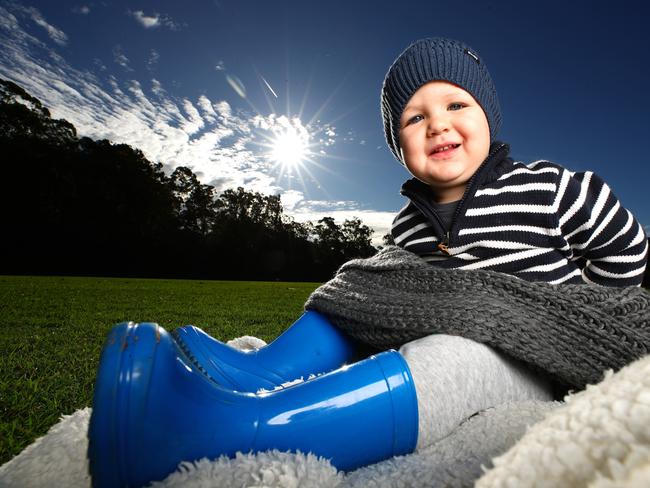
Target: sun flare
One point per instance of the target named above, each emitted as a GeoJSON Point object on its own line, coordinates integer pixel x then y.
{"type": "Point", "coordinates": [289, 147]}
{"type": "Point", "coordinates": [292, 149]}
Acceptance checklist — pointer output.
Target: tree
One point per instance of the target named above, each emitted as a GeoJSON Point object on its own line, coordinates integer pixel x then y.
{"type": "Point", "coordinates": [334, 244]}
{"type": "Point", "coordinates": [257, 239]}
{"type": "Point", "coordinates": [195, 202]}
{"type": "Point", "coordinates": [357, 237]}
{"type": "Point", "coordinates": [25, 116]}
{"type": "Point", "coordinates": [329, 235]}
{"type": "Point", "coordinates": [388, 240]}
{"type": "Point", "coordinates": [254, 207]}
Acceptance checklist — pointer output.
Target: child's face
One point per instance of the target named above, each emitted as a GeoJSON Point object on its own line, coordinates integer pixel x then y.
{"type": "Point", "coordinates": [438, 115]}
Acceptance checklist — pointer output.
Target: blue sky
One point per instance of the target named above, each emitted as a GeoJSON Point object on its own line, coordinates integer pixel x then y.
{"type": "Point", "coordinates": [212, 84]}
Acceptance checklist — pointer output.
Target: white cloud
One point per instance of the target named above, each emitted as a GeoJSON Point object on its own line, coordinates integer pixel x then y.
{"type": "Point", "coordinates": [154, 57]}
{"type": "Point", "coordinates": [57, 35]}
{"type": "Point", "coordinates": [303, 210]}
{"type": "Point", "coordinates": [145, 20]}
{"type": "Point", "coordinates": [223, 109]}
{"type": "Point", "coordinates": [290, 199]}
{"type": "Point", "coordinates": [312, 211]}
{"type": "Point", "coordinates": [54, 33]}
{"type": "Point", "coordinates": [208, 109]}
{"type": "Point", "coordinates": [194, 122]}
{"type": "Point", "coordinates": [83, 10]}
{"type": "Point", "coordinates": [327, 136]}
{"type": "Point", "coordinates": [120, 58]}
{"type": "Point", "coordinates": [324, 206]}
{"type": "Point", "coordinates": [100, 65]}
{"type": "Point", "coordinates": [218, 142]}
{"type": "Point", "coordinates": [154, 20]}
{"type": "Point", "coordinates": [156, 87]}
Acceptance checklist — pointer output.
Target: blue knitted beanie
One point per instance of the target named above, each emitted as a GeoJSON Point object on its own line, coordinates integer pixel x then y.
{"type": "Point", "coordinates": [436, 59]}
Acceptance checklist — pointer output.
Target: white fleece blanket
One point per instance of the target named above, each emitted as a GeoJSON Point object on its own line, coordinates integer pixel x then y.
{"type": "Point", "coordinates": [599, 437]}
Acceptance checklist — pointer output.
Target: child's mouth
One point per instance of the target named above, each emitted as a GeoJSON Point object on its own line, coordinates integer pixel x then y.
{"type": "Point", "coordinates": [443, 151]}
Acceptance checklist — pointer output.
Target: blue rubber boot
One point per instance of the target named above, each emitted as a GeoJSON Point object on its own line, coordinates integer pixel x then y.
{"type": "Point", "coordinates": [312, 343]}
{"type": "Point", "coordinates": [153, 409]}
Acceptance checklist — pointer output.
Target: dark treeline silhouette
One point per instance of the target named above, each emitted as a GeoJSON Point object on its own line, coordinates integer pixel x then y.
{"type": "Point", "coordinates": [76, 206]}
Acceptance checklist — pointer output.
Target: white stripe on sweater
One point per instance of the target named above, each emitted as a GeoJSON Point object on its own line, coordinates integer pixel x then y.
{"type": "Point", "coordinates": [624, 258]}
{"type": "Point", "coordinates": [608, 218]}
{"type": "Point", "coordinates": [526, 170]}
{"type": "Point", "coordinates": [516, 208]}
{"type": "Point", "coordinates": [586, 279]}
{"type": "Point", "coordinates": [595, 212]}
{"type": "Point", "coordinates": [607, 274]}
{"type": "Point", "coordinates": [412, 230]}
{"type": "Point", "coordinates": [422, 240]}
{"type": "Point", "coordinates": [626, 227]}
{"type": "Point", "coordinates": [546, 231]}
{"type": "Point", "coordinates": [406, 217]}
{"type": "Point", "coordinates": [575, 272]}
{"type": "Point", "coordinates": [564, 183]}
{"type": "Point", "coordinates": [491, 244]}
{"type": "Point", "coordinates": [518, 189]}
{"type": "Point", "coordinates": [506, 259]}
{"type": "Point", "coordinates": [523, 208]}
{"type": "Point", "coordinates": [579, 202]}
{"type": "Point", "coordinates": [638, 238]}
{"type": "Point", "coordinates": [465, 256]}
{"type": "Point", "coordinates": [545, 267]}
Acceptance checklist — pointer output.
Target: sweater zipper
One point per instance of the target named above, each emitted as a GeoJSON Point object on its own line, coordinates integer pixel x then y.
{"type": "Point", "coordinates": [444, 245]}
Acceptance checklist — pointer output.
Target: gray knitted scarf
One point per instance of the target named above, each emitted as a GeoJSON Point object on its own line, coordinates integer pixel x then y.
{"type": "Point", "coordinates": [572, 332]}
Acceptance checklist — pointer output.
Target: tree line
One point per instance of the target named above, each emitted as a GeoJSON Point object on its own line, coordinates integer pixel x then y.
{"type": "Point", "coordinates": [77, 206]}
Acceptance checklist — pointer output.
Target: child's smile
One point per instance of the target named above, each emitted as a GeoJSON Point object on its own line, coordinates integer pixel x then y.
{"type": "Point", "coordinates": [444, 138]}
{"type": "Point", "coordinates": [443, 151]}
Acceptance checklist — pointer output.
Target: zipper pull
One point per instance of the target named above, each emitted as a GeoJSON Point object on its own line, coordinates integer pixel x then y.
{"type": "Point", "coordinates": [444, 245]}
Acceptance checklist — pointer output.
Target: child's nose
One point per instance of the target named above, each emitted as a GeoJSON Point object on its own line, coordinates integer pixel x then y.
{"type": "Point", "coordinates": [437, 125]}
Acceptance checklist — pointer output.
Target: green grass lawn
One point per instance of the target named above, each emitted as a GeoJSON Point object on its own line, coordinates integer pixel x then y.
{"type": "Point", "coordinates": [52, 330]}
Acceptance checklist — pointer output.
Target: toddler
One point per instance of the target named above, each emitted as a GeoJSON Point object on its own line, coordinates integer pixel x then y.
{"type": "Point", "coordinates": [471, 206]}
{"type": "Point", "coordinates": [161, 399]}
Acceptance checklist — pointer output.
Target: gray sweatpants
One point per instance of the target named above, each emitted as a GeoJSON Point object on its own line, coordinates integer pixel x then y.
{"type": "Point", "coordinates": [457, 377]}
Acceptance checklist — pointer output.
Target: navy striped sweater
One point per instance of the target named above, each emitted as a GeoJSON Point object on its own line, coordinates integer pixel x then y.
{"type": "Point", "coordinates": [539, 222]}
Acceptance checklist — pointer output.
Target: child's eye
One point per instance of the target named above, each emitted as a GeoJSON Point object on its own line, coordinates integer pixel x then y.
{"type": "Point", "coordinates": [414, 120]}
{"type": "Point", "coordinates": [456, 106]}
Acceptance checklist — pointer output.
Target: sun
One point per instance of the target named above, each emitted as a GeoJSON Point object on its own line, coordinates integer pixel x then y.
{"type": "Point", "coordinates": [290, 147]}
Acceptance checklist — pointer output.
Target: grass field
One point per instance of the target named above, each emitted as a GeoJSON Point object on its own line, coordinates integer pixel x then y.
{"type": "Point", "coordinates": [52, 330]}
